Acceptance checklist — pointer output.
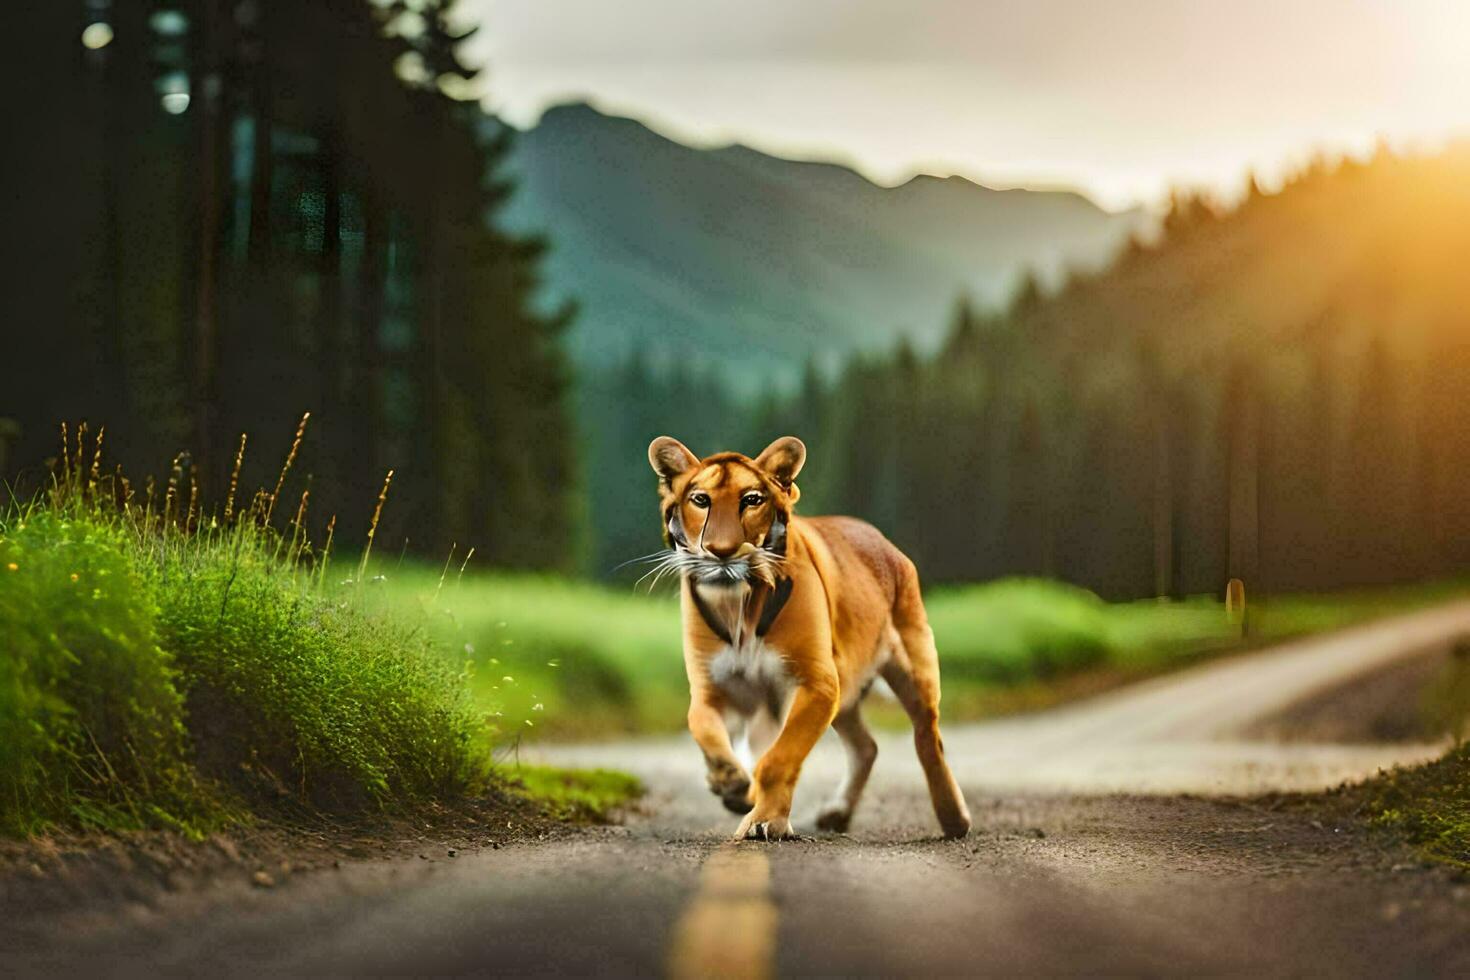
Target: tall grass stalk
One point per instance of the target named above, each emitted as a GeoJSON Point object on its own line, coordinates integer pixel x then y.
{"type": "Point", "coordinates": [445, 571]}
{"type": "Point", "coordinates": [95, 475]}
{"type": "Point", "coordinates": [286, 467]}
{"type": "Point", "coordinates": [373, 528]}
{"type": "Point", "coordinates": [234, 481]}
{"type": "Point", "coordinates": [326, 559]}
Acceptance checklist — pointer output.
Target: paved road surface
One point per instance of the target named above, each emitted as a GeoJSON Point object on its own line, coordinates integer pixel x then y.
{"type": "Point", "coordinates": [1102, 845]}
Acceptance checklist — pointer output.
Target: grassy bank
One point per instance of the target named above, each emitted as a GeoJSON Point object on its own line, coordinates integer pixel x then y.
{"type": "Point", "coordinates": [163, 678]}
{"type": "Point", "coordinates": [1428, 806]}
{"type": "Point", "coordinates": [160, 668]}
{"type": "Point", "coordinates": [572, 659]}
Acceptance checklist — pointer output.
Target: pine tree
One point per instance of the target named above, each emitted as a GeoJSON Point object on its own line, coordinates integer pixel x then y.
{"type": "Point", "coordinates": [349, 266]}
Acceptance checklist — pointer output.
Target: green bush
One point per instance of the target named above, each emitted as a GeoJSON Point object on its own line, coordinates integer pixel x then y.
{"type": "Point", "coordinates": [150, 677]}
{"type": "Point", "coordinates": [293, 693]}
{"type": "Point", "coordinates": [91, 723]}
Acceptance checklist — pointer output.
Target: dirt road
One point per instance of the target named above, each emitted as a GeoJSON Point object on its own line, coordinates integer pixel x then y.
{"type": "Point", "coordinates": [1110, 838]}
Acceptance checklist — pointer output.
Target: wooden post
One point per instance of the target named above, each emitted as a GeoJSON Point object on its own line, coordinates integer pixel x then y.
{"type": "Point", "coordinates": [1235, 601]}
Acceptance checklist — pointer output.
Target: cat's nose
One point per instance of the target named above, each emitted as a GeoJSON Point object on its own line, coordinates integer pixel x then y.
{"type": "Point", "coordinates": [722, 550]}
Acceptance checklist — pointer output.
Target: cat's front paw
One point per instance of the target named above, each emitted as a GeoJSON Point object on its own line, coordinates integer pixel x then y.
{"type": "Point", "coordinates": [730, 783]}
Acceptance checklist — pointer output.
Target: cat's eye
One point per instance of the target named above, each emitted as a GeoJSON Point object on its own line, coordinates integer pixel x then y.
{"type": "Point", "coordinates": [700, 500]}
{"type": "Point", "coordinates": [751, 500]}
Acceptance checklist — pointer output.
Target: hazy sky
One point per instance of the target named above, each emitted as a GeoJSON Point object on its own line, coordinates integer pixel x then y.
{"type": "Point", "coordinates": [1120, 98]}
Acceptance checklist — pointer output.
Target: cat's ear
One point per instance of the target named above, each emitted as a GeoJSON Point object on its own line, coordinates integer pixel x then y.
{"type": "Point", "coordinates": [669, 457]}
{"type": "Point", "coordinates": [783, 459]}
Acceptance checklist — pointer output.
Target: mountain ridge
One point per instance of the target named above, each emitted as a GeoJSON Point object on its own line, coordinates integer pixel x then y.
{"type": "Point", "coordinates": [736, 258]}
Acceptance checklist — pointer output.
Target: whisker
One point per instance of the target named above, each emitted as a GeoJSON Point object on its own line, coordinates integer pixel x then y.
{"type": "Point", "coordinates": [667, 563]}
{"type": "Point", "coordinates": [664, 563]}
{"type": "Point", "coordinates": [655, 556]}
{"type": "Point", "coordinates": [693, 561]}
{"type": "Point", "coordinates": [664, 570]}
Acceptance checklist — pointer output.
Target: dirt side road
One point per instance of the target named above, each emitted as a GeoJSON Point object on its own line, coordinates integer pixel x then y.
{"type": "Point", "coordinates": [1107, 841]}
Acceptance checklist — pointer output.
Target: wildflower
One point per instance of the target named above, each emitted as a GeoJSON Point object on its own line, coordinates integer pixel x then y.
{"type": "Point", "coordinates": [13, 567]}
{"type": "Point", "coordinates": [74, 576]}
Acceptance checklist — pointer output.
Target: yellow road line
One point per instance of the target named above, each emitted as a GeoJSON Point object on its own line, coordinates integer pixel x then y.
{"type": "Point", "coordinates": [729, 929]}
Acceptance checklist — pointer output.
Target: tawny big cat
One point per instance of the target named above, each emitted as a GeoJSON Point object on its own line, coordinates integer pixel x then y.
{"type": "Point", "coordinates": [787, 622]}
